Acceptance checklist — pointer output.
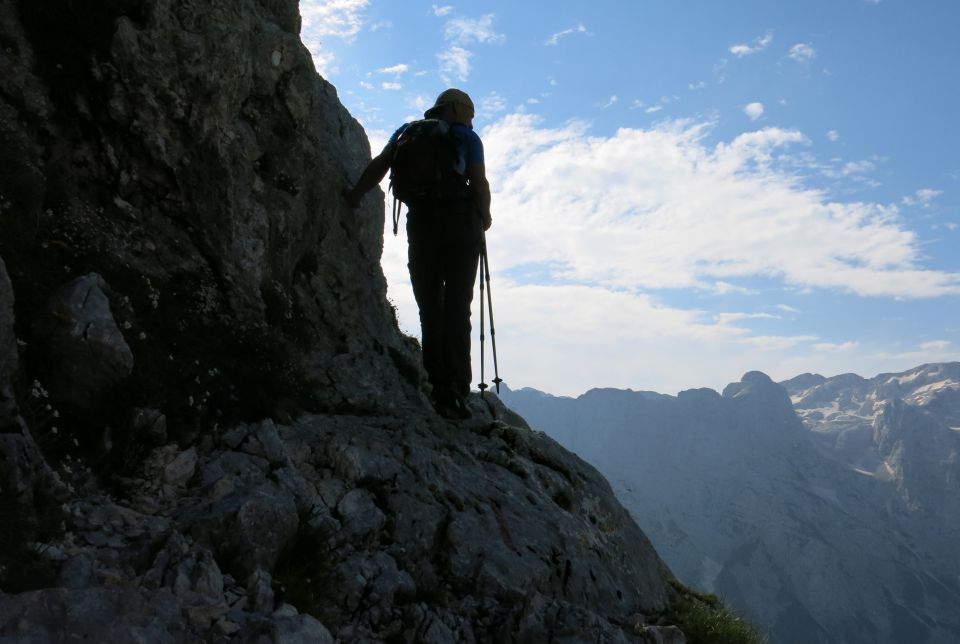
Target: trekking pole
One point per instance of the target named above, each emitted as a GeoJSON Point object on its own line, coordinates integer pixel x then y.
{"type": "Point", "coordinates": [483, 385]}
{"type": "Point", "coordinates": [485, 265]}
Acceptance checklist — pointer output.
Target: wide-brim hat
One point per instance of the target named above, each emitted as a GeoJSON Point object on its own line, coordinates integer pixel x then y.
{"type": "Point", "coordinates": [447, 97]}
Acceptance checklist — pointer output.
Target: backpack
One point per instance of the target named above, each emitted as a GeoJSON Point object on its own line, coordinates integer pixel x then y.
{"type": "Point", "coordinates": [424, 165]}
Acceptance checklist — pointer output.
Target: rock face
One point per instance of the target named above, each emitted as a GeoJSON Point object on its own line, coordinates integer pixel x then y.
{"type": "Point", "coordinates": [212, 429]}
{"type": "Point", "coordinates": [192, 157]}
{"type": "Point", "coordinates": [85, 353]}
{"type": "Point", "coordinates": [837, 528]}
{"type": "Point", "coordinates": [8, 351]}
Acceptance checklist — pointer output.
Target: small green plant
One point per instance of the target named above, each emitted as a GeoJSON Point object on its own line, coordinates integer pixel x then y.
{"type": "Point", "coordinates": [705, 619]}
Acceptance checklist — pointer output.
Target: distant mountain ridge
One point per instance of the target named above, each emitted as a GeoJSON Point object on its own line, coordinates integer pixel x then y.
{"type": "Point", "coordinates": [827, 508]}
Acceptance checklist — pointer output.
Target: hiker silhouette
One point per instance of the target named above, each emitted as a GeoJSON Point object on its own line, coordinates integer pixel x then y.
{"type": "Point", "coordinates": [438, 171]}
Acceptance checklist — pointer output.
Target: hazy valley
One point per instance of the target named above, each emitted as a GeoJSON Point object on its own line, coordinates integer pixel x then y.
{"type": "Point", "coordinates": [825, 508]}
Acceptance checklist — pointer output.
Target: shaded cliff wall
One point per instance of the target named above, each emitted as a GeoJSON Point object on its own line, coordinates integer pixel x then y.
{"type": "Point", "coordinates": [188, 153]}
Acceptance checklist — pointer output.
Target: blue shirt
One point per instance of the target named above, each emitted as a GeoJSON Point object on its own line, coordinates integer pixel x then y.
{"type": "Point", "coordinates": [469, 145]}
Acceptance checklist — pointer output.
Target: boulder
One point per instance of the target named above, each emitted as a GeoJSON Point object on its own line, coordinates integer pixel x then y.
{"type": "Point", "coordinates": [87, 355]}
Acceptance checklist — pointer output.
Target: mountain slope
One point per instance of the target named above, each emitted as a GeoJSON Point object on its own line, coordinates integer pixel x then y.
{"type": "Point", "coordinates": [779, 514]}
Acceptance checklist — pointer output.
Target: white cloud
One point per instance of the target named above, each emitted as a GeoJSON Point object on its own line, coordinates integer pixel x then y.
{"type": "Point", "coordinates": [923, 197]}
{"type": "Point", "coordinates": [802, 52]}
{"type": "Point", "coordinates": [463, 31]}
{"type": "Point", "coordinates": [627, 212]}
{"type": "Point", "coordinates": [611, 101]}
{"type": "Point", "coordinates": [329, 18]}
{"type": "Point", "coordinates": [490, 105]}
{"type": "Point", "coordinates": [441, 11]}
{"type": "Point", "coordinates": [725, 288]}
{"type": "Point", "coordinates": [391, 86]}
{"type": "Point", "coordinates": [833, 135]}
{"type": "Point", "coordinates": [592, 234]}
{"type": "Point", "coordinates": [399, 69]}
{"type": "Point", "coordinates": [935, 345]}
{"type": "Point", "coordinates": [653, 108]}
{"type": "Point", "coordinates": [753, 110]}
{"type": "Point", "coordinates": [758, 45]}
{"type": "Point", "coordinates": [366, 85]}
{"type": "Point", "coordinates": [455, 63]}
{"type": "Point", "coordinates": [836, 347]}
{"type": "Point", "coordinates": [693, 86]}
{"type": "Point", "coordinates": [849, 169]}
{"type": "Point", "coordinates": [728, 318]}
{"type": "Point", "coordinates": [555, 38]}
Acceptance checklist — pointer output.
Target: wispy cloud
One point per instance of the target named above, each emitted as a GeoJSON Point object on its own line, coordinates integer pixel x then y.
{"type": "Point", "coordinates": [729, 318]}
{"type": "Point", "coordinates": [490, 106]}
{"type": "Point", "coordinates": [460, 32]}
{"type": "Point", "coordinates": [441, 11]}
{"type": "Point", "coordinates": [923, 197]}
{"type": "Point", "coordinates": [455, 63]}
{"type": "Point", "coordinates": [849, 169]}
{"type": "Point", "coordinates": [836, 347]}
{"type": "Point", "coordinates": [626, 221]}
{"type": "Point", "coordinates": [833, 135]}
{"type": "Point", "coordinates": [753, 110]}
{"type": "Point", "coordinates": [464, 31]}
{"type": "Point", "coordinates": [402, 68]}
{"type": "Point", "coordinates": [611, 101]}
{"type": "Point", "coordinates": [391, 86]}
{"type": "Point", "coordinates": [341, 19]}
{"type": "Point", "coordinates": [758, 45]}
{"type": "Point", "coordinates": [555, 38]}
{"type": "Point", "coordinates": [802, 52]}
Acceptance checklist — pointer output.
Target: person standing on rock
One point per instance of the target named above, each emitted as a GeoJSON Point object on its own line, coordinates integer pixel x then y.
{"type": "Point", "coordinates": [445, 225]}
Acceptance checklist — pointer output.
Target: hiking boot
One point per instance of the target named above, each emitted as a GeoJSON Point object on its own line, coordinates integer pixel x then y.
{"type": "Point", "coordinates": [449, 404]}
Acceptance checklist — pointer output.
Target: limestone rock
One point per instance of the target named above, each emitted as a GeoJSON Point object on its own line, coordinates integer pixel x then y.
{"type": "Point", "coordinates": [86, 351]}
{"type": "Point", "coordinates": [8, 350]}
{"type": "Point", "coordinates": [93, 614]}
{"type": "Point", "coordinates": [249, 528]}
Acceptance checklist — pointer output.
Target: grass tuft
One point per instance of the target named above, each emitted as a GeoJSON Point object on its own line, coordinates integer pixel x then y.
{"type": "Point", "coordinates": [705, 619]}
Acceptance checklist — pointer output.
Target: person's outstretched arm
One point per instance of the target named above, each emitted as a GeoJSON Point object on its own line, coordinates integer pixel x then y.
{"type": "Point", "coordinates": [373, 174]}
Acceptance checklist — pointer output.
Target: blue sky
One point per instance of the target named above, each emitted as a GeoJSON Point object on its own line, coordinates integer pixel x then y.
{"type": "Point", "coordinates": [685, 191]}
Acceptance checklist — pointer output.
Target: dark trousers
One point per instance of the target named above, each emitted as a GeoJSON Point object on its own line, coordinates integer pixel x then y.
{"type": "Point", "coordinates": [444, 242]}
